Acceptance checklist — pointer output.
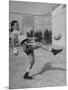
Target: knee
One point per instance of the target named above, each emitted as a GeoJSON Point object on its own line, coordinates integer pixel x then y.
{"type": "Point", "coordinates": [32, 62]}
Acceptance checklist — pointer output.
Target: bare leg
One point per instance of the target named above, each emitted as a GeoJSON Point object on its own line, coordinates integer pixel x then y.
{"type": "Point", "coordinates": [54, 51]}
{"type": "Point", "coordinates": [40, 45]}
{"type": "Point", "coordinates": [31, 60]}
{"type": "Point", "coordinates": [47, 48]}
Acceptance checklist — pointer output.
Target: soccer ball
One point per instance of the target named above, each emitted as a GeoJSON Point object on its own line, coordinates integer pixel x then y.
{"type": "Point", "coordinates": [57, 36]}
{"type": "Point", "coordinates": [15, 51]}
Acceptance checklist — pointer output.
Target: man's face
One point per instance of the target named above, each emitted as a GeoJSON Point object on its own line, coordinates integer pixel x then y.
{"type": "Point", "coordinates": [16, 26]}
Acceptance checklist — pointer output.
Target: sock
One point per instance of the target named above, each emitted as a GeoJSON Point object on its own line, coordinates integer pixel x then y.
{"type": "Point", "coordinates": [50, 49]}
{"type": "Point", "coordinates": [28, 69]}
{"type": "Point", "coordinates": [15, 50]}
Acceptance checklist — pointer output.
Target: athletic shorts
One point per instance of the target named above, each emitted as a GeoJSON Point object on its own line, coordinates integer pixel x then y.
{"type": "Point", "coordinates": [28, 48]}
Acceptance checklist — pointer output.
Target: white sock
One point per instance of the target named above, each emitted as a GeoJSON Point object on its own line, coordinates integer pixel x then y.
{"type": "Point", "coordinates": [50, 49]}
{"type": "Point", "coordinates": [15, 50]}
{"type": "Point", "coordinates": [28, 69]}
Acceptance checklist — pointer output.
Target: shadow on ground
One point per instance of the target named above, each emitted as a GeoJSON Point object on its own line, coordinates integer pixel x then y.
{"type": "Point", "coordinates": [48, 67]}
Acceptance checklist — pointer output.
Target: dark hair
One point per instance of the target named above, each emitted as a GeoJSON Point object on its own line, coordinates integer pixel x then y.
{"type": "Point", "coordinates": [24, 41]}
{"type": "Point", "coordinates": [13, 22]}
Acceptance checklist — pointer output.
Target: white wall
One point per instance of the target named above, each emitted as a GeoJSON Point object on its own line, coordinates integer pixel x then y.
{"type": "Point", "coordinates": [59, 24]}
{"type": "Point", "coordinates": [27, 23]}
{"type": "Point", "coordinates": [38, 23]}
{"type": "Point", "coordinates": [42, 23]}
{"type": "Point", "coordinates": [48, 22]}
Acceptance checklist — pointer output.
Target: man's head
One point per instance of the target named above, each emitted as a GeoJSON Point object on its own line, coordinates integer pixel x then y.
{"type": "Point", "coordinates": [15, 25]}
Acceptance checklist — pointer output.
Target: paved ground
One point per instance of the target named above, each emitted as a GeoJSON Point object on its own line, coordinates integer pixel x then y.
{"type": "Point", "coordinates": [49, 70]}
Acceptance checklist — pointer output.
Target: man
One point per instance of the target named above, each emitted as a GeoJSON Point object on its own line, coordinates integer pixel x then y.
{"type": "Point", "coordinates": [14, 33]}
{"type": "Point", "coordinates": [29, 48]}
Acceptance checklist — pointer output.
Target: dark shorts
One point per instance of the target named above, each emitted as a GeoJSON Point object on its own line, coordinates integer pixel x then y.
{"type": "Point", "coordinates": [29, 52]}
{"type": "Point", "coordinates": [28, 48]}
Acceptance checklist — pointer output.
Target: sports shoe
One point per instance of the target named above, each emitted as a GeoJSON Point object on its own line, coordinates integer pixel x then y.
{"type": "Point", "coordinates": [55, 52]}
{"type": "Point", "coordinates": [26, 76]}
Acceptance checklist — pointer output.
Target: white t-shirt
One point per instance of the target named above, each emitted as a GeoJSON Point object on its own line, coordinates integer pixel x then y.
{"type": "Point", "coordinates": [14, 34]}
{"type": "Point", "coordinates": [21, 38]}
